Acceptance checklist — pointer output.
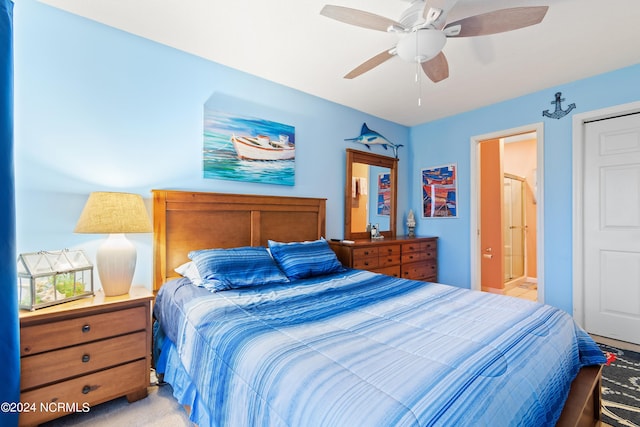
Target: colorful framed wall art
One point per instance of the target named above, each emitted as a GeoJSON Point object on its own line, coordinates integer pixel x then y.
{"type": "Point", "coordinates": [439, 191]}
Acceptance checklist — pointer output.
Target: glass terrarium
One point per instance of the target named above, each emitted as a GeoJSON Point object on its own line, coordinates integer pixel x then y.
{"type": "Point", "coordinates": [47, 278]}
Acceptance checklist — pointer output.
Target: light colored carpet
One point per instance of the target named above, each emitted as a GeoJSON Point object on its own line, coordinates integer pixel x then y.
{"type": "Point", "coordinates": [158, 409]}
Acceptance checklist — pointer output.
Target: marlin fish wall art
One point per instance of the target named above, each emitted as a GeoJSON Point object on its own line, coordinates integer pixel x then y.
{"type": "Point", "coordinates": [370, 137]}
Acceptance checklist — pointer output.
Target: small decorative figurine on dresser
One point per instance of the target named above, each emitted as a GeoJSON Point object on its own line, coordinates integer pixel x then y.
{"type": "Point", "coordinates": [411, 223]}
{"type": "Point", "coordinates": [375, 232]}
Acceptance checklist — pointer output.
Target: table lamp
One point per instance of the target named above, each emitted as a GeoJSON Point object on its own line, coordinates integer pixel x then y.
{"type": "Point", "coordinates": [115, 214]}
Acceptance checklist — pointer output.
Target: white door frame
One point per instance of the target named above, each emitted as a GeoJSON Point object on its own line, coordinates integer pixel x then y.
{"type": "Point", "coordinates": [475, 202]}
{"type": "Point", "coordinates": [579, 121]}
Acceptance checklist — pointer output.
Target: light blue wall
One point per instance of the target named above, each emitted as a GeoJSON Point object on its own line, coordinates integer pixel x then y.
{"type": "Point", "coordinates": [100, 109]}
{"type": "Point", "coordinates": [448, 141]}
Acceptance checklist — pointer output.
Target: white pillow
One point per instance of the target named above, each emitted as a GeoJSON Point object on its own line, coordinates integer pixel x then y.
{"type": "Point", "coordinates": [190, 271]}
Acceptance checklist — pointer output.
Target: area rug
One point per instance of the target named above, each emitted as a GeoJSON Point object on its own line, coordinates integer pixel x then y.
{"type": "Point", "coordinates": [621, 387]}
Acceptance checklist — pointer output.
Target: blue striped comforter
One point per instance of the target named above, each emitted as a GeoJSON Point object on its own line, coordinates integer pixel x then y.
{"type": "Point", "coordinates": [362, 349]}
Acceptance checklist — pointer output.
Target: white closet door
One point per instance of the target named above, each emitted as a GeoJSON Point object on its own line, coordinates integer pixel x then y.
{"type": "Point", "coordinates": [612, 228]}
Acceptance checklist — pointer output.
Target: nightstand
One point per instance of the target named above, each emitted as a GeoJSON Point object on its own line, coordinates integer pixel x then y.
{"type": "Point", "coordinates": [84, 352]}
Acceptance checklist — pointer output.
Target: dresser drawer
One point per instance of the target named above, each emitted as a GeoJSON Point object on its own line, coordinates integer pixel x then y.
{"type": "Point", "coordinates": [413, 257]}
{"type": "Point", "coordinates": [389, 271]}
{"type": "Point", "coordinates": [420, 271]}
{"type": "Point", "coordinates": [432, 272]}
{"type": "Point", "coordinates": [365, 253]}
{"type": "Point", "coordinates": [431, 245]}
{"type": "Point", "coordinates": [42, 337]}
{"type": "Point", "coordinates": [413, 247]}
{"type": "Point", "coordinates": [388, 260]}
{"type": "Point", "coordinates": [391, 250]}
{"type": "Point", "coordinates": [69, 362]}
{"type": "Point", "coordinates": [428, 246]}
{"type": "Point", "coordinates": [365, 263]}
{"type": "Point", "coordinates": [92, 389]}
{"type": "Point", "coordinates": [430, 250]}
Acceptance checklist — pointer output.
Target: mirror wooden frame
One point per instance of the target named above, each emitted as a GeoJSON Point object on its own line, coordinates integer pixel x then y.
{"type": "Point", "coordinates": [355, 156]}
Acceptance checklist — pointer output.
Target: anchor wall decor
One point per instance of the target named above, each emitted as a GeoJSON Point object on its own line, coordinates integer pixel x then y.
{"type": "Point", "coordinates": [559, 112]}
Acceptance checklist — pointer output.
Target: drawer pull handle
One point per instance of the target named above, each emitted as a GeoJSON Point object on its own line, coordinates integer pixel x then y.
{"type": "Point", "coordinates": [366, 252]}
{"type": "Point", "coordinates": [366, 263]}
{"type": "Point", "coordinates": [86, 389]}
{"type": "Point", "coordinates": [86, 328]}
{"type": "Point", "coordinates": [85, 358]}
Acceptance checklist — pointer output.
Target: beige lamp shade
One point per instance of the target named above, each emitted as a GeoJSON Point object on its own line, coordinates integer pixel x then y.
{"type": "Point", "coordinates": [111, 212]}
{"type": "Point", "coordinates": [115, 214]}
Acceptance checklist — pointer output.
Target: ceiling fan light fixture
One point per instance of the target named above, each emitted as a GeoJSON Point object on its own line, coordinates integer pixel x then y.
{"type": "Point", "coordinates": [421, 45]}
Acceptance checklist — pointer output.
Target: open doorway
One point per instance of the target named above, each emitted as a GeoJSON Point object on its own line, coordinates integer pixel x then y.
{"type": "Point", "coordinates": [506, 226]}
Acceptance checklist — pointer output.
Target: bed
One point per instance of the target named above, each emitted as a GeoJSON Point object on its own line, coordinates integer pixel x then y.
{"type": "Point", "coordinates": [321, 345]}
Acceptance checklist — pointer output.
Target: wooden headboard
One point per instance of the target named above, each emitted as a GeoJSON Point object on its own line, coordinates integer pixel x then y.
{"type": "Point", "coordinates": [184, 221]}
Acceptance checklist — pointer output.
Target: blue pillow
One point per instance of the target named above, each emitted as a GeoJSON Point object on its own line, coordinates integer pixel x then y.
{"type": "Point", "coordinates": [305, 259]}
{"type": "Point", "coordinates": [235, 268]}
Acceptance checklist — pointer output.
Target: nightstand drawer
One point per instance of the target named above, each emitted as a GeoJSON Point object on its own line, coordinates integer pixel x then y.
{"type": "Point", "coordinates": [92, 389]}
{"type": "Point", "coordinates": [73, 361]}
{"type": "Point", "coordinates": [38, 338]}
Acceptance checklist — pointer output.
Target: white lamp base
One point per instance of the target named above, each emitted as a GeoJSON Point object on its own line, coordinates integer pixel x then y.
{"type": "Point", "coordinates": [116, 261]}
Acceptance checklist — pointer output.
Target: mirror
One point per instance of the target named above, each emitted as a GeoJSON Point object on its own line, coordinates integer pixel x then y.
{"type": "Point", "coordinates": [370, 194]}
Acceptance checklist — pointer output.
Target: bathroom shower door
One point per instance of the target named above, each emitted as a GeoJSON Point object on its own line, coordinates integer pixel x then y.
{"type": "Point", "coordinates": [514, 227]}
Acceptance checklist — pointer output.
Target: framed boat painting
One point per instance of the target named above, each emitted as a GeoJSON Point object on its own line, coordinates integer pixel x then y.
{"type": "Point", "coordinates": [439, 191]}
{"type": "Point", "coordinates": [241, 148]}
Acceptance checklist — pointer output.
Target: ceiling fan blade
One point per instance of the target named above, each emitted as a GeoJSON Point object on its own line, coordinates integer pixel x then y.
{"type": "Point", "coordinates": [437, 68]}
{"type": "Point", "coordinates": [370, 63]}
{"type": "Point", "coordinates": [497, 21]}
{"type": "Point", "coordinates": [360, 18]}
{"type": "Point", "coordinates": [436, 11]}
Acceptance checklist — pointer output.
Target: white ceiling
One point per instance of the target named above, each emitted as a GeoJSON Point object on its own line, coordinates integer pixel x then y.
{"type": "Point", "coordinates": [289, 42]}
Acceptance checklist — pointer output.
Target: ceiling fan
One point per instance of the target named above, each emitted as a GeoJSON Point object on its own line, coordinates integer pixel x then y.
{"type": "Point", "coordinates": [424, 30]}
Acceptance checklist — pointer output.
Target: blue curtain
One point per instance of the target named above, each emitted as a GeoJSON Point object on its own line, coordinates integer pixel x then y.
{"type": "Point", "coordinates": [9, 331]}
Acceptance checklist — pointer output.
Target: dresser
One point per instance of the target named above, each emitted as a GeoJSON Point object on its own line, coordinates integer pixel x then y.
{"type": "Point", "coordinates": [81, 353]}
{"type": "Point", "coordinates": [414, 258]}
